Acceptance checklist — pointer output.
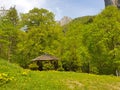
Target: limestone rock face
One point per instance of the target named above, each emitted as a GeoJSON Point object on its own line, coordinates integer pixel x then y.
{"type": "Point", "coordinates": [118, 3]}
{"type": "Point", "coordinates": [112, 2]}
{"type": "Point", "coordinates": [65, 20]}
{"type": "Point", "coordinates": [108, 2]}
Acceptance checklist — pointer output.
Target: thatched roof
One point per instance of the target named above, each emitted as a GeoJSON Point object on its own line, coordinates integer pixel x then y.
{"type": "Point", "coordinates": [45, 58]}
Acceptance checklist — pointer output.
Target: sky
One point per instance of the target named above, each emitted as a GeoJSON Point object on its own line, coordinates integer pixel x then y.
{"type": "Point", "coordinates": [70, 8]}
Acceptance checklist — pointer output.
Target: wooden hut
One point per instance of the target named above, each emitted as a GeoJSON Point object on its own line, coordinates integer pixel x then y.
{"type": "Point", "coordinates": [52, 59]}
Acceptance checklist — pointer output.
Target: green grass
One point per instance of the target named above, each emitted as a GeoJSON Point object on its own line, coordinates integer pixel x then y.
{"type": "Point", "coordinates": [21, 79]}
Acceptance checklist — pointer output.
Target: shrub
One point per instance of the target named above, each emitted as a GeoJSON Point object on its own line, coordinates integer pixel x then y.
{"type": "Point", "coordinates": [48, 66]}
{"type": "Point", "coordinates": [33, 66]}
{"type": "Point", "coordinates": [60, 69]}
{"type": "Point", "coordinates": [4, 78]}
{"type": "Point", "coordinates": [25, 72]}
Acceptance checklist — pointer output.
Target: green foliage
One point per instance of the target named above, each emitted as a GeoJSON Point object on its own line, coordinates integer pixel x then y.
{"type": "Point", "coordinates": [12, 16]}
{"type": "Point", "coordinates": [41, 37]}
{"type": "Point", "coordinates": [89, 44]}
{"type": "Point", "coordinates": [37, 17]}
{"type": "Point", "coordinates": [9, 34]}
{"type": "Point", "coordinates": [70, 47]}
{"type": "Point", "coordinates": [84, 20]}
{"type": "Point", "coordinates": [4, 78]}
{"type": "Point", "coordinates": [48, 66]}
{"type": "Point", "coordinates": [102, 40]}
{"type": "Point", "coordinates": [25, 72]}
{"type": "Point", "coordinates": [33, 66]}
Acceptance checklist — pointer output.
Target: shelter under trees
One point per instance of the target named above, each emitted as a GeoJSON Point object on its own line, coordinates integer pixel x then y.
{"type": "Point", "coordinates": [50, 60]}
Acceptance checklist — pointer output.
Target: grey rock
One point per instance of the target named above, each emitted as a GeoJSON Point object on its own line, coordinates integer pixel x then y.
{"type": "Point", "coordinates": [65, 20]}
{"type": "Point", "coordinates": [112, 2]}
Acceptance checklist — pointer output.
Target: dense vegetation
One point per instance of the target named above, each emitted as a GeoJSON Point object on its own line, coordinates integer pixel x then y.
{"type": "Point", "coordinates": [12, 77]}
{"type": "Point", "coordinates": [88, 44]}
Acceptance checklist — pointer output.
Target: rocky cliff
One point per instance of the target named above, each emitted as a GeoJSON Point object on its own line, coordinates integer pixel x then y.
{"type": "Point", "coordinates": [112, 2]}
{"type": "Point", "coordinates": [65, 20]}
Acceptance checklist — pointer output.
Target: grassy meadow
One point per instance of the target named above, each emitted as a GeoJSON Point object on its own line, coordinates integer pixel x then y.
{"type": "Point", "coordinates": [12, 77]}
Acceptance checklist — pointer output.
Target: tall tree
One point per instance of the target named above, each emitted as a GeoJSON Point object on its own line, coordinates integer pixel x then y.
{"type": "Point", "coordinates": [103, 40]}
{"type": "Point", "coordinates": [12, 16]}
{"type": "Point", "coordinates": [42, 34]}
{"type": "Point", "coordinates": [8, 25]}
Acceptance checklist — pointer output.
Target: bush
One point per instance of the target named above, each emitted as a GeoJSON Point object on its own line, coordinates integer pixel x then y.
{"type": "Point", "coordinates": [33, 66]}
{"type": "Point", "coordinates": [25, 72]}
{"type": "Point", "coordinates": [48, 66]}
{"type": "Point", "coordinates": [60, 69]}
{"type": "Point", "coordinates": [4, 78]}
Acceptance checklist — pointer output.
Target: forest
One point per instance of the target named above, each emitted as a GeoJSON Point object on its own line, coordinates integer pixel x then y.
{"type": "Point", "coordinates": [89, 44]}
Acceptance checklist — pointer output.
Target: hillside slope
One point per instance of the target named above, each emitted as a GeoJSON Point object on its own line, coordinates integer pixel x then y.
{"type": "Point", "coordinates": [12, 77]}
